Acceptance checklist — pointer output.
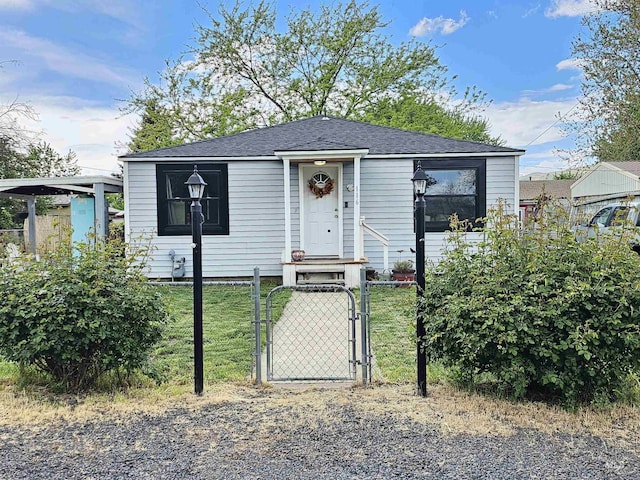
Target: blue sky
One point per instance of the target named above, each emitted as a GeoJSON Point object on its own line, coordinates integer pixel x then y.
{"type": "Point", "coordinates": [76, 59]}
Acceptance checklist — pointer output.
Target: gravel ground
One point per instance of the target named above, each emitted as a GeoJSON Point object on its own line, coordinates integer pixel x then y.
{"type": "Point", "coordinates": [275, 434]}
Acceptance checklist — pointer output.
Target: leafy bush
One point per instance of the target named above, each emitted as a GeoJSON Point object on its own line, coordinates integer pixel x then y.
{"type": "Point", "coordinates": [77, 315]}
{"type": "Point", "coordinates": [537, 311]}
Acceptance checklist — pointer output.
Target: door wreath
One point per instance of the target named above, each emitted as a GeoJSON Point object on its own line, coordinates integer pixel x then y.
{"type": "Point", "coordinates": [321, 184]}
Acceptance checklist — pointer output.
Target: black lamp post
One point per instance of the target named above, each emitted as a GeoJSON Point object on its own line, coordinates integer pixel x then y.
{"type": "Point", "coordinates": [196, 186]}
{"type": "Point", "coordinates": [419, 188]}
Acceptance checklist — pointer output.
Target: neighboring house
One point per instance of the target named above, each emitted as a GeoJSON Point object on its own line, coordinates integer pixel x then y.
{"type": "Point", "coordinates": [533, 192]}
{"type": "Point", "coordinates": [604, 183]}
{"type": "Point", "coordinates": [337, 189]}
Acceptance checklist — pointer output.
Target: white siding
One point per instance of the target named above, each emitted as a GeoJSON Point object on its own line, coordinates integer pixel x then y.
{"type": "Point", "coordinates": [387, 205]}
{"type": "Point", "coordinates": [256, 222]}
{"type": "Point", "coordinates": [386, 196]}
{"type": "Point", "coordinates": [256, 215]}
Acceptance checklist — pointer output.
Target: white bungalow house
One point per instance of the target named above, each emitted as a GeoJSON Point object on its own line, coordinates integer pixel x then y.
{"type": "Point", "coordinates": [338, 189]}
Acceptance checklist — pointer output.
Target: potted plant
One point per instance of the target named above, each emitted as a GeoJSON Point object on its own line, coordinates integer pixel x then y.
{"type": "Point", "coordinates": [297, 255]}
{"type": "Point", "coordinates": [403, 271]}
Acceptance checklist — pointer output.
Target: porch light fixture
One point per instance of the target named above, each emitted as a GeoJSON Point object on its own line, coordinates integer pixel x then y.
{"type": "Point", "coordinates": [319, 163]}
{"type": "Point", "coordinates": [196, 186]}
{"type": "Point", "coordinates": [420, 180]}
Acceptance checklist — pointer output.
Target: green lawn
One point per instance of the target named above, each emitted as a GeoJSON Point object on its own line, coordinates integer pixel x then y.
{"type": "Point", "coordinates": [226, 333]}
{"type": "Point", "coordinates": [392, 332]}
{"type": "Point", "coordinates": [228, 338]}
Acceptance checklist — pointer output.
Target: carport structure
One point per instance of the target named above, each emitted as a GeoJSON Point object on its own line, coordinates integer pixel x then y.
{"type": "Point", "coordinates": [29, 188]}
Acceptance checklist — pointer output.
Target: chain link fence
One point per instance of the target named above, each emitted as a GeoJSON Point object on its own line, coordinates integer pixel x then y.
{"type": "Point", "coordinates": [304, 333]}
{"type": "Point", "coordinates": [228, 309]}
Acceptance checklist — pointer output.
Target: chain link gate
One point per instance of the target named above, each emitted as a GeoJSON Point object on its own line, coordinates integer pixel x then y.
{"type": "Point", "coordinates": [314, 336]}
{"type": "Point", "coordinates": [313, 333]}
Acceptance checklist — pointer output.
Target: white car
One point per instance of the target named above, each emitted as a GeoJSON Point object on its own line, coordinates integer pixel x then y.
{"type": "Point", "coordinates": [610, 217]}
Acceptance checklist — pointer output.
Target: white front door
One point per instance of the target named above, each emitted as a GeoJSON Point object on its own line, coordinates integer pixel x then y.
{"type": "Point", "coordinates": [320, 231]}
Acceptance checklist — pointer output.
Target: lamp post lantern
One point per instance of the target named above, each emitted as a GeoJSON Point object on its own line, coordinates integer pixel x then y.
{"type": "Point", "coordinates": [196, 185]}
{"type": "Point", "coordinates": [419, 180]}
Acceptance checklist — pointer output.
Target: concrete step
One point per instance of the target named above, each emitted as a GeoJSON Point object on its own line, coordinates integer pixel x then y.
{"type": "Point", "coordinates": [320, 268]}
{"type": "Point", "coordinates": [332, 281]}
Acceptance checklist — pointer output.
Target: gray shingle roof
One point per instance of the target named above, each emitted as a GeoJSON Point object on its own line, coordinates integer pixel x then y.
{"type": "Point", "coordinates": [558, 189]}
{"type": "Point", "coordinates": [323, 133]}
{"type": "Point", "coordinates": [628, 166]}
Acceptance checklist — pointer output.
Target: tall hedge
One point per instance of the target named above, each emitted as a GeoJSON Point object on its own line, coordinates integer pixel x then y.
{"type": "Point", "coordinates": [537, 310]}
{"type": "Point", "coordinates": [79, 315]}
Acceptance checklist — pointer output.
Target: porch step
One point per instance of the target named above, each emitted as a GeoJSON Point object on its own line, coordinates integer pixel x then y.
{"type": "Point", "coordinates": [332, 281]}
{"type": "Point", "coordinates": [320, 268]}
{"type": "Point", "coordinates": [345, 271]}
{"type": "Point", "coordinates": [320, 276]}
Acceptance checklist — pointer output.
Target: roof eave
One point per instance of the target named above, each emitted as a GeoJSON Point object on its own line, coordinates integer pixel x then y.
{"type": "Point", "coordinates": [197, 158]}
{"type": "Point", "coordinates": [514, 153]}
{"type": "Point", "coordinates": [308, 155]}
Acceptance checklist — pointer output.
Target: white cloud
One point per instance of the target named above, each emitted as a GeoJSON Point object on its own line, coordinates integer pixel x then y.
{"type": "Point", "coordinates": [122, 10]}
{"type": "Point", "coordinates": [543, 154]}
{"type": "Point", "coordinates": [520, 123]}
{"type": "Point", "coordinates": [570, 8]}
{"type": "Point", "coordinates": [63, 60]}
{"type": "Point", "coordinates": [445, 26]}
{"type": "Point", "coordinates": [551, 163]}
{"type": "Point", "coordinates": [569, 64]}
{"type": "Point", "coordinates": [118, 9]}
{"type": "Point", "coordinates": [125, 11]}
{"type": "Point", "coordinates": [15, 4]}
{"type": "Point", "coordinates": [90, 129]}
{"type": "Point", "coordinates": [531, 11]}
{"type": "Point", "coordinates": [559, 87]}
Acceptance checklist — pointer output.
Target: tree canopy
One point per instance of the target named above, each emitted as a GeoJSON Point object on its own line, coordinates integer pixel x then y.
{"type": "Point", "coordinates": [428, 116]}
{"type": "Point", "coordinates": [609, 54]}
{"type": "Point", "coordinates": [39, 160]}
{"type": "Point", "coordinates": [244, 71]}
{"type": "Point", "coordinates": [155, 129]}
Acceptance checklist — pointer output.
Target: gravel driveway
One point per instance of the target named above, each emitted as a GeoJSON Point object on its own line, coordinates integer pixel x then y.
{"type": "Point", "coordinates": [310, 433]}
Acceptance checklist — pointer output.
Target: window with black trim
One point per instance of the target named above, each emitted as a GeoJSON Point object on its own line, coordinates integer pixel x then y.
{"type": "Point", "coordinates": [174, 204]}
{"type": "Point", "coordinates": [455, 186]}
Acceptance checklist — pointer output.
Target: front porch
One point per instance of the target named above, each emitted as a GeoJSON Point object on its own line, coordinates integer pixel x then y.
{"type": "Point", "coordinates": [339, 271]}
{"type": "Point", "coordinates": [328, 225]}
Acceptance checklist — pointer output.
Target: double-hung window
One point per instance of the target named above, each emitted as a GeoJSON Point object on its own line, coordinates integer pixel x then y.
{"type": "Point", "coordinates": [174, 204]}
{"type": "Point", "coordinates": [453, 186]}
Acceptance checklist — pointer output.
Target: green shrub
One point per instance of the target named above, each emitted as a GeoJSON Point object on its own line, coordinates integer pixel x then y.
{"type": "Point", "coordinates": [537, 311]}
{"type": "Point", "coordinates": [78, 315]}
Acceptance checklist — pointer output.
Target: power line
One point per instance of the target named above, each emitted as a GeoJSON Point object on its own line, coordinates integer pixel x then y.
{"type": "Point", "coordinates": [560, 118]}
{"type": "Point", "coordinates": [94, 168]}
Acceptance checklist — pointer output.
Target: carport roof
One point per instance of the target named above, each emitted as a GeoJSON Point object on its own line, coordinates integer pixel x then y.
{"type": "Point", "coordinates": [18, 187]}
